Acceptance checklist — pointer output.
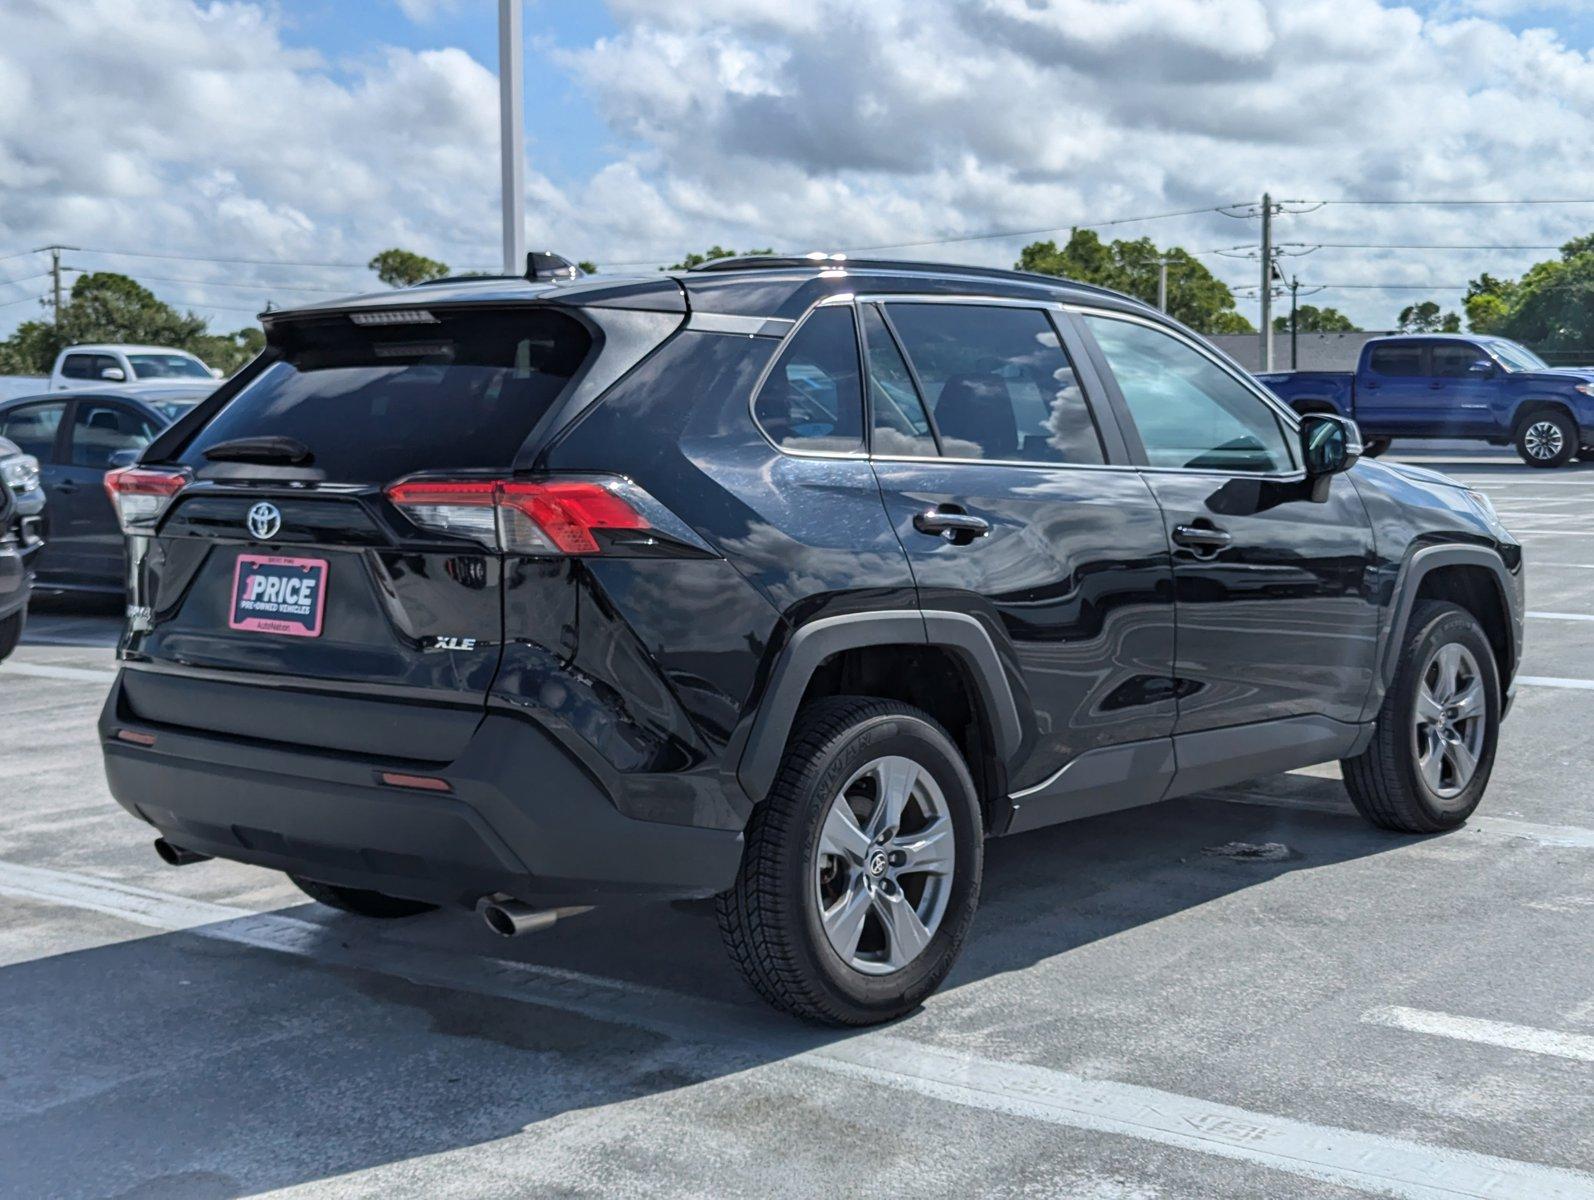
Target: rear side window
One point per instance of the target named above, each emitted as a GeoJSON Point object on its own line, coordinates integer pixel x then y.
{"type": "Point", "coordinates": [898, 422]}
{"type": "Point", "coordinates": [100, 431]}
{"type": "Point", "coordinates": [1399, 361]}
{"type": "Point", "coordinates": [78, 366]}
{"type": "Point", "coordinates": [812, 398]}
{"type": "Point", "coordinates": [998, 383]}
{"type": "Point", "coordinates": [372, 403]}
{"type": "Point", "coordinates": [32, 427]}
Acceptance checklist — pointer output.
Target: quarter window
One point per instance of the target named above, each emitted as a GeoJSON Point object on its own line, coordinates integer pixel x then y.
{"type": "Point", "coordinates": [813, 396]}
{"type": "Point", "coordinates": [78, 366]}
{"type": "Point", "coordinates": [998, 383]}
{"type": "Point", "coordinates": [1398, 361]}
{"type": "Point", "coordinates": [1189, 411]}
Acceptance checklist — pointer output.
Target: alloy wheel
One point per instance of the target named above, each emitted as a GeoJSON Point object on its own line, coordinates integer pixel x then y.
{"type": "Point", "coordinates": [1543, 439]}
{"type": "Point", "coordinates": [884, 868]}
{"type": "Point", "coordinates": [1449, 720]}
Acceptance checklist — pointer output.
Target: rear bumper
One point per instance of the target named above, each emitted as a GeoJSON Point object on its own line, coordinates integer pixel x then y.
{"type": "Point", "coordinates": [521, 817]}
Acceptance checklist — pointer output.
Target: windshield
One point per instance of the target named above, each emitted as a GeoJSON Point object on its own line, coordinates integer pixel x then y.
{"type": "Point", "coordinates": [168, 366]}
{"type": "Point", "coordinates": [461, 390]}
{"type": "Point", "coordinates": [1516, 357]}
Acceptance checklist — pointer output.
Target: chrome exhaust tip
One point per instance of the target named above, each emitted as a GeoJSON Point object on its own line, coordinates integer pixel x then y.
{"type": "Point", "coordinates": [176, 856]}
{"type": "Point", "coordinates": [509, 918]}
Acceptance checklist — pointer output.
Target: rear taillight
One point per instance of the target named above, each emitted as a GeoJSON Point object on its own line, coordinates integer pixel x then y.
{"type": "Point", "coordinates": [140, 494]}
{"type": "Point", "coordinates": [544, 516]}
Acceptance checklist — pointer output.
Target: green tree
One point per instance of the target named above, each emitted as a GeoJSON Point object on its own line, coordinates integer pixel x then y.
{"type": "Point", "coordinates": [1489, 302]}
{"type": "Point", "coordinates": [1552, 309]}
{"type": "Point", "coordinates": [405, 268]}
{"type": "Point", "coordinates": [107, 307]}
{"type": "Point", "coordinates": [587, 265]}
{"type": "Point", "coordinates": [1195, 295]}
{"type": "Point", "coordinates": [709, 255]}
{"type": "Point", "coordinates": [1426, 317]}
{"type": "Point", "coordinates": [1311, 319]}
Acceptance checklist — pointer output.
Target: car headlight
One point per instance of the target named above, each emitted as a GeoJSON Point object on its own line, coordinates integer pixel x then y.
{"type": "Point", "coordinates": [1586, 388]}
{"type": "Point", "coordinates": [1485, 509]}
{"type": "Point", "coordinates": [20, 472]}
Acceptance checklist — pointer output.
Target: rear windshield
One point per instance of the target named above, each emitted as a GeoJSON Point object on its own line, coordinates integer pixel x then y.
{"type": "Point", "coordinates": [439, 392]}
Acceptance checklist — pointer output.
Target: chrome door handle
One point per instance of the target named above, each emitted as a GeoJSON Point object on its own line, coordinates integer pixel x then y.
{"type": "Point", "coordinates": [954, 526]}
{"type": "Point", "coordinates": [1201, 537]}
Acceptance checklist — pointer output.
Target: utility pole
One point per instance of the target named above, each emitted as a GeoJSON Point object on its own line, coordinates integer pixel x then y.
{"type": "Point", "coordinates": [1162, 283]}
{"type": "Point", "coordinates": [512, 131]}
{"type": "Point", "coordinates": [1295, 288]}
{"type": "Point", "coordinates": [1267, 282]}
{"type": "Point", "coordinates": [55, 275]}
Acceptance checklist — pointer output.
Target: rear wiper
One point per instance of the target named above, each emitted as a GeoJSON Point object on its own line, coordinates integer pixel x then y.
{"type": "Point", "coordinates": [290, 451]}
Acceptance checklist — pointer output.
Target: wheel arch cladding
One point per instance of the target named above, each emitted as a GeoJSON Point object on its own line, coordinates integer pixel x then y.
{"type": "Point", "coordinates": [1474, 577]}
{"type": "Point", "coordinates": [824, 650]}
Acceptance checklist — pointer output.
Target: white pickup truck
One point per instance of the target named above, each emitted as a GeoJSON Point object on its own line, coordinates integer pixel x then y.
{"type": "Point", "coordinates": [77, 366]}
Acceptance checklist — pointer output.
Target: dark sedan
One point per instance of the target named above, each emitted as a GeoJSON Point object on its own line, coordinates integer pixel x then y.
{"type": "Point", "coordinates": [77, 437]}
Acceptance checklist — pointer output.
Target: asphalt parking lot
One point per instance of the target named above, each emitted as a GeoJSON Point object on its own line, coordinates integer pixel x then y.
{"type": "Point", "coordinates": [1145, 1008]}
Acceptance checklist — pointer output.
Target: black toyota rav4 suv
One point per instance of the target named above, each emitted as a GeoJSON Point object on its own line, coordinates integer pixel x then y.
{"type": "Point", "coordinates": [781, 581]}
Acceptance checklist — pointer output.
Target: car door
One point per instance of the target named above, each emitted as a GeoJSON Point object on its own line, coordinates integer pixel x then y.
{"type": "Point", "coordinates": [1017, 506]}
{"type": "Point", "coordinates": [1459, 389]}
{"type": "Point", "coordinates": [1277, 614]}
{"type": "Point", "coordinates": [38, 429]}
{"type": "Point", "coordinates": [101, 433]}
{"type": "Point", "coordinates": [1392, 393]}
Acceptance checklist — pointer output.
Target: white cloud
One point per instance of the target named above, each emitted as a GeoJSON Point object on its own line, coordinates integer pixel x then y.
{"type": "Point", "coordinates": [197, 128]}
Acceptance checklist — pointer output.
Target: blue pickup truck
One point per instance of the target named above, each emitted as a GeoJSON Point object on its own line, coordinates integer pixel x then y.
{"type": "Point", "coordinates": [1452, 386]}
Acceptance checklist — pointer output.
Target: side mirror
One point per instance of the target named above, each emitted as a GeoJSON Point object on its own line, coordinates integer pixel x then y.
{"type": "Point", "coordinates": [1482, 367]}
{"type": "Point", "coordinates": [215, 372]}
{"type": "Point", "coordinates": [1329, 444]}
{"type": "Point", "coordinates": [115, 374]}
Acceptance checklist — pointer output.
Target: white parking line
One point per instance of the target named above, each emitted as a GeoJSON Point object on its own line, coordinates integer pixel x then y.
{"type": "Point", "coordinates": [1556, 681]}
{"type": "Point", "coordinates": [741, 1039]}
{"type": "Point", "coordinates": [1561, 616]}
{"type": "Point", "coordinates": [1577, 1046]}
{"type": "Point", "coordinates": [49, 671]}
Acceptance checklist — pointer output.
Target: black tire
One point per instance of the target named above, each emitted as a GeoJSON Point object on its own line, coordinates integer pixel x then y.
{"type": "Point", "coordinates": [1385, 781]}
{"type": "Point", "coordinates": [1547, 438]}
{"type": "Point", "coordinates": [359, 901]}
{"type": "Point", "coordinates": [770, 918]}
{"type": "Point", "coordinates": [10, 634]}
{"type": "Point", "coordinates": [1373, 447]}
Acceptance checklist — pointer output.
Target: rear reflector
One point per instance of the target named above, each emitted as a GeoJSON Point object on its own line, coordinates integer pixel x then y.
{"type": "Point", "coordinates": [419, 783]}
{"type": "Point", "coordinates": [520, 516]}
{"type": "Point", "coordinates": [136, 738]}
{"type": "Point", "coordinates": [140, 494]}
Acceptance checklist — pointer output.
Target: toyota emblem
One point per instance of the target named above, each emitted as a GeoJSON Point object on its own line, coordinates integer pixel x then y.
{"type": "Point", "coordinates": [264, 521]}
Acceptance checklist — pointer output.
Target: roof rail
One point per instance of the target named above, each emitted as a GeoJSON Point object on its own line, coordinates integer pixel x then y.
{"type": "Point", "coordinates": [751, 262]}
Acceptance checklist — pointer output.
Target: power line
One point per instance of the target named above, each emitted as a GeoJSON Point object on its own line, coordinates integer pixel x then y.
{"type": "Point", "coordinates": [251, 287]}
{"type": "Point", "coordinates": [24, 278]}
{"type": "Point", "coordinates": [22, 300]}
{"type": "Point", "coordinates": [1443, 201]}
{"type": "Point", "coordinates": [253, 262]}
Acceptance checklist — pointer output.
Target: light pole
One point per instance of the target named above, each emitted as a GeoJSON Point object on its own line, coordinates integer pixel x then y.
{"type": "Point", "coordinates": [512, 131]}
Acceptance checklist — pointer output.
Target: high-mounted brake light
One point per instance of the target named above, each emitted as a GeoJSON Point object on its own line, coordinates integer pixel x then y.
{"type": "Point", "coordinates": [545, 516]}
{"type": "Point", "coordinates": [140, 494]}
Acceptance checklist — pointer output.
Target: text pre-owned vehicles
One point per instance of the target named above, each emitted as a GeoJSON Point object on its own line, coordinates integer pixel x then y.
{"type": "Point", "coordinates": [91, 366]}
{"type": "Point", "coordinates": [1445, 386]}
{"type": "Point", "coordinates": [781, 581]}
{"type": "Point", "coordinates": [21, 503]}
{"type": "Point", "coordinates": [77, 437]}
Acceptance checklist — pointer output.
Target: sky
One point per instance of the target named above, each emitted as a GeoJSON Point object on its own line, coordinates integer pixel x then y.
{"type": "Point", "coordinates": [306, 135]}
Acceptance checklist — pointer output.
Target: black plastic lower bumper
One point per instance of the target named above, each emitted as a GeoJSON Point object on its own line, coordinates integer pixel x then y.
{"type": "Point", "coordinates": [521, 817]}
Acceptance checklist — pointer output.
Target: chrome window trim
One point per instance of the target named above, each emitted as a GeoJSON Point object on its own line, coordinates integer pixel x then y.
{"type": "Point", "coordinates": [1290, 418]}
